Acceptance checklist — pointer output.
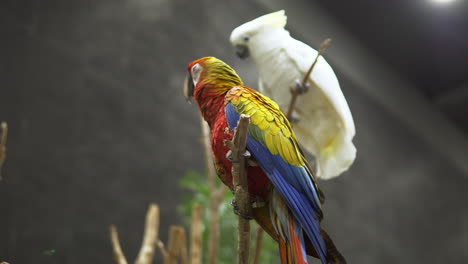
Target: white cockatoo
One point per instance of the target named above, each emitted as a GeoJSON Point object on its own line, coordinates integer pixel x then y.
{"type": "Point", "coordinates": [325, 126]}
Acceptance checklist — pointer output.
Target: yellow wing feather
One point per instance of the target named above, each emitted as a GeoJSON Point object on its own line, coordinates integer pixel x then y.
{"type": "Point", "coordinates": [268, 124]}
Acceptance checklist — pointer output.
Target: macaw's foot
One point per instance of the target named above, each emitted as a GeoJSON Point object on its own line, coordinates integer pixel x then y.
{"type": "Point", "coordinates": [236, 211]}
{"type": "Point", "coordinates": [250, 161]}
{"type": "Point", "coordinates": [229, 155]}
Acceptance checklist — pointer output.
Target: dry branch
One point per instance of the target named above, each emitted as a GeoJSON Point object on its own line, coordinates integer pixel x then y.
{"type": "Point", "coordinates": [183, 248]}
{"type": "Point", "coordinates": [118, 253]}
{"type": "Point", "coordinates": [163, 250]}
{"type": "Point", "coordinates": [174, 245]}
{"type": "Point", "coordinates": [216, 197]}
{"type": "Point", "coordinates": [294, 91]}
{"type": "Point", "coordinates": [241, 194]}
{"type": "Point", "coordinates": [150, 237]}
{"type": "Point", "coordinates": [258, 244]}
{"type": "Point", "coordinates": [3, 140]}
{"type": "Point", "coordinates": [196, 235]}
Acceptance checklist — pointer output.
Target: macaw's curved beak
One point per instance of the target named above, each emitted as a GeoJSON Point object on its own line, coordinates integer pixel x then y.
{"type": "Point", "coordinates": [242, 51]}
{"type": "Point", "coordinates": [188, 87]}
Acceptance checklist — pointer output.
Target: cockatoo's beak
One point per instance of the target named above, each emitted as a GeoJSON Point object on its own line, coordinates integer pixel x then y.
{"type": "Point", "coordinates": [242, 51]}
{"type": "Point", "coordinates": [188, 87]}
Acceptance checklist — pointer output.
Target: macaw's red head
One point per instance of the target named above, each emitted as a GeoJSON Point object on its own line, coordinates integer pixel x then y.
{"type": "Point", "coordinates": [209, 77]}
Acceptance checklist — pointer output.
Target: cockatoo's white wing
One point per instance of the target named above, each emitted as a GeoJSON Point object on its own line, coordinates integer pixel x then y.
{"type": "Point", "coordinates": [325, 127]}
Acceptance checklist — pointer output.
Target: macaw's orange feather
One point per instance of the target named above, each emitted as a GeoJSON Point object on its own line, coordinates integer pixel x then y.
{"type": "Point", "coordinates": [295, 243]}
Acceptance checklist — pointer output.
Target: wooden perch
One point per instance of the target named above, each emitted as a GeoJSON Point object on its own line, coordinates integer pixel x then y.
{"type": "Point", "coordinates": [216, 197]}
{"type": "Point", "coordinates": [3, 140]}
{"type": "Point", "coordinates": [196, 235]}
{"type": "Point", "coordinates": [241, 194]}
{"type": "Point", "coordinates": [294, 91]}
{"type": "Point", "coordinates": [118, 253]}
{"type": "Point", "coordinates": [150, 237]}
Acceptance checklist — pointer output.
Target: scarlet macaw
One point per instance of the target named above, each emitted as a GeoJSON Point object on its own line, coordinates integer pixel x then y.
{"type": "Point", "coordinates": [283, 179]}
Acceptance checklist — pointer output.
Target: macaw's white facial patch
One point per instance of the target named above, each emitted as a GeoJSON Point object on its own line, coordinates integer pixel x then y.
{"type": "Point", "coordinates": [196, 72]}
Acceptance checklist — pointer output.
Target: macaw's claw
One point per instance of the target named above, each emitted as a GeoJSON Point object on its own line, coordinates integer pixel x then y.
{"type": "Point", "coordinates": [236, 211]}
{"type": "Point", "coordinates": [229, 155]}
{"type": "Point", "coordinates": [299, 88]}
{"type": "Point", "coordinates": [246, 154]}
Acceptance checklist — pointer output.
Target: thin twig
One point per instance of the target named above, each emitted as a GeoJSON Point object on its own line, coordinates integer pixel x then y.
{"type": "Point", "coordinates": [294, 91]}
{"type": "Point", "coordinates": [150, 237]}
{"type": "Point", "coordinates": [258, 244]}
{"type": "Point", "coordinates": [3, 140]}
{"type": "Point", "coordinates": [239, 175]}
{"type": "Point", "coordinates": [216, 197]}
{"type": "Point", "coordinates": [118, 253]}
{"type": "Point", "coordinates": [196, 235]}
{"type": "Point", "coordinates": [163, 250]}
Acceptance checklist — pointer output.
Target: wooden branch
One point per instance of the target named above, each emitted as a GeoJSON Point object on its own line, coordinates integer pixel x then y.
{"type": "Point", "coordinates": [150, 237]}
{"type": "Point", "coordinates": [118, 253]}
{"type": "Point", "coordinates": [242, 200]}
{"type": "Point", "coordinates": [258, 244]}
{"type": "Point", "coordinates": [163, 250]}
{"type": "Point", "coordinates": [174, 244]}
{"type": "Point", "coordinates": [183, 248]}
{"type": "Point", "coordinates": [216, 197]}
{"type": "Point", "coordinates": [196, 235]}
{"type": "Point", "coordinates": [304, 83]}
{"type": "Point", "coordinates": [3, 140]}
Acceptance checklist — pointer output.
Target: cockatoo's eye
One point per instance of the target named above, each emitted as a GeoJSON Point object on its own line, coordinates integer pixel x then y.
{"type": "Point", "coordinates": [246, 38]}
{"type": "Point", "coordinates": [195, 72]}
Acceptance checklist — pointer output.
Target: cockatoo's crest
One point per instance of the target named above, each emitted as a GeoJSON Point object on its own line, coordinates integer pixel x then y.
{"type": "Point", "coordinates": [275, 19]}
{"type": "Point", "coordinates": [272, 20]}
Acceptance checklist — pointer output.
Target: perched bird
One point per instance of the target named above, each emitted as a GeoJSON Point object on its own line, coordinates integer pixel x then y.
{"type": "Point", "coordinates": [325, 127]}
{"type": "Point", "coordinates": [281, 179]}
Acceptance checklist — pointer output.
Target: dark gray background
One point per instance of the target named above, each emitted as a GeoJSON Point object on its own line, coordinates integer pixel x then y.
{"type": "Point", "coordinates": [99, 127]}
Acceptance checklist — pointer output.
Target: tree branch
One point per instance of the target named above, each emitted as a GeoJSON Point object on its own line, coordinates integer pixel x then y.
{"type": "Point", "coordinates": [174, 244]}
{"type": "Point", "coordinates": [304, 83]}
{"type": "Point", "coordinates": [163, 250]}
{"type": "Point", "coordinates": [196, 235]}
{"type": "Point", "coordinates": [183, 248]}
{"type": "Point", "coordinates": [150, 237]}
{"type": "Point", "coordinates": [118, 253]}
{"type": "Point", "coordinates": [3, 140]}
{"type": "Point", "coordinates": [242, 200]}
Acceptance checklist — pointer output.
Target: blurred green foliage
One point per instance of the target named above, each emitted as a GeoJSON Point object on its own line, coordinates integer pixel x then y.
{"type": "Point", "coordinates": [197, 184]}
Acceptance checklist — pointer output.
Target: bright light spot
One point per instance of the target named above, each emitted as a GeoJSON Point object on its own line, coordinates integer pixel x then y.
{"type": "Point", "coordinates": [442, 1]}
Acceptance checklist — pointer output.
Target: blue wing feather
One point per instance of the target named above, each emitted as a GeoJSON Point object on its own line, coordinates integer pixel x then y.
{"type": "Point", "coordinates": [292, 182]}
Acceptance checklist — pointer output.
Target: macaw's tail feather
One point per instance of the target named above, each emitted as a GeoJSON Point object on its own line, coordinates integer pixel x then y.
{"type": "Point", "coordinates": [334, 256]}
{"type": "Point", "coordinates": [285, 252]}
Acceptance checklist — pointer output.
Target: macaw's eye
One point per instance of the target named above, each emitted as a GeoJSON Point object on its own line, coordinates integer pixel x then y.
{"type": "Point", "coordinates": [195, 72]}
{"type": "Point", "coordinates": [246, 38]}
